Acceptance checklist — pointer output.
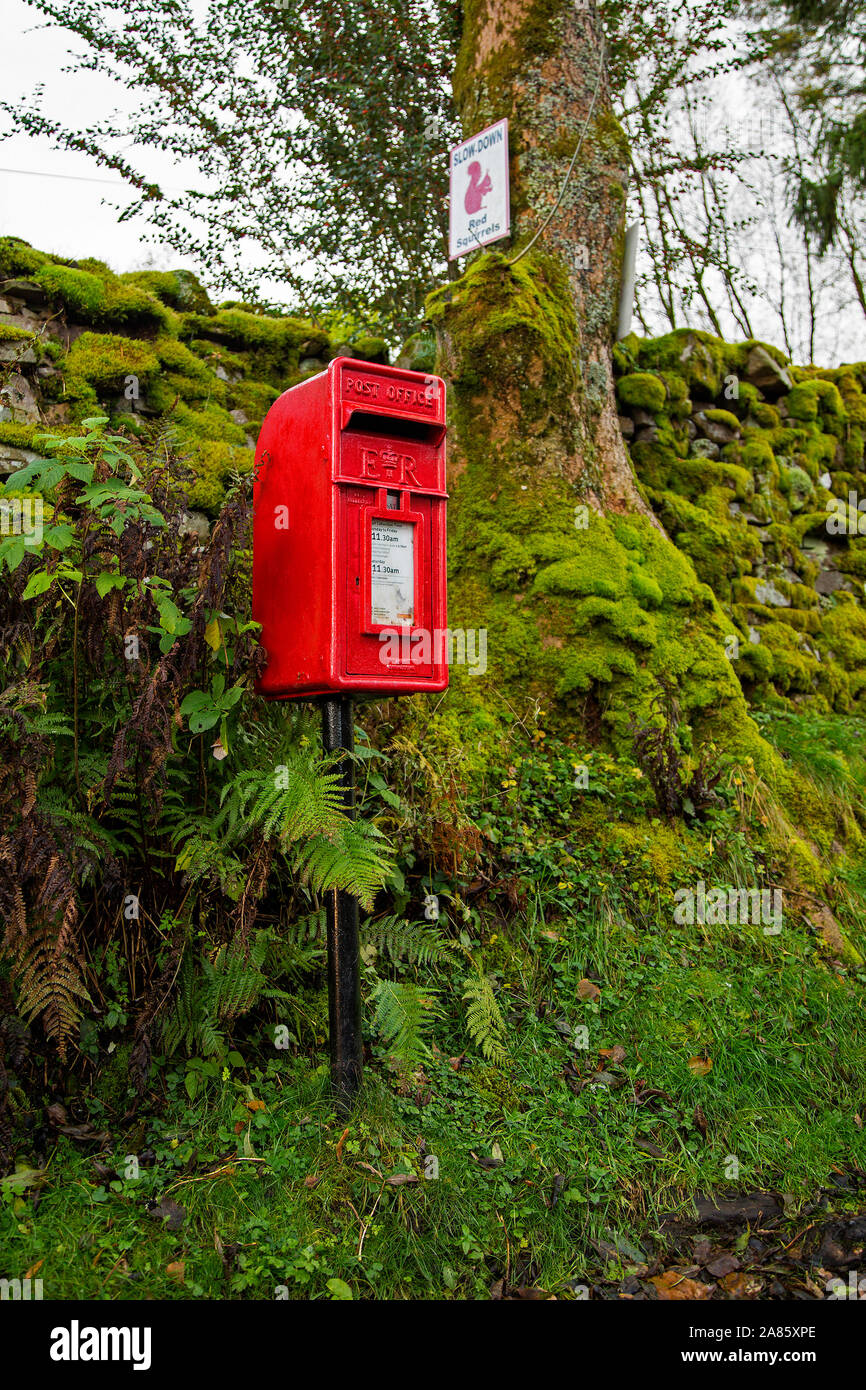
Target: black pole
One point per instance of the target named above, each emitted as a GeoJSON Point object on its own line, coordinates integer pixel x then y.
{"type": "Point", "coordinates": [344, 981]}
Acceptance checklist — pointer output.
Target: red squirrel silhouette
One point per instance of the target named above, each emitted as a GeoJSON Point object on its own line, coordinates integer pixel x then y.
{"type": "Point", "coordinates": [476, 190]}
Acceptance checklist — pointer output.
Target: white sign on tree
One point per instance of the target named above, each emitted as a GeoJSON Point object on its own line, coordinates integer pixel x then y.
{"type": "Point", "coordinates": [480, 206]}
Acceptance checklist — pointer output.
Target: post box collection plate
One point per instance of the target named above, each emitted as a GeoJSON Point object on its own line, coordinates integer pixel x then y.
{"type": "Point", "coordinates": [349, 534]}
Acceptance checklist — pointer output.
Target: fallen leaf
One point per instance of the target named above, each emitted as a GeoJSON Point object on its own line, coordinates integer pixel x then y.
{"type": "Point", "coordinates": [86, 1134]}
{"type": "Point", "coordinates": [587, 990]}
{"type": "Point", "coordinates": [24, 1177]}
{"type": "Point", "coordinates": [673, 1285]}
{"type": "Point", "coordinates": [169, 1211]}
{"type": "Point", "coordinates": [255, 1105]}
{"type": "Point", "coordinates": [699, 1066]}
{"type": "Point", "coordinates": [741, 1285]}
{"type": "Point", "coordinates": [648, 1147]}
{"type": "Point", "coordinates": [176, 1270]}
{"type": "Point", "coordinates": [34, 1269]}
{"type": "Point", "coordinates": [485, 1162]}
{"type": "Point", "coordinates": [613, 1054]}
{"type": "Point", "coordinates": [401, 1179]}
{"type": "Point", "coordinates": [312, 1179]}
{"type": "Point", "coordinates": [725, 1264]}
{"type": "Point", "coordinates": [340, 1142]}
{"type": "Point", "coordinates": [700, 1121]}
{"type": "Point", "coordinates": [56, 1113]}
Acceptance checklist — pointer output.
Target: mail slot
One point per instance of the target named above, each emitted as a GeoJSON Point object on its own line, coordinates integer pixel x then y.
{"type": "Point", "coordinates": [349, 534]}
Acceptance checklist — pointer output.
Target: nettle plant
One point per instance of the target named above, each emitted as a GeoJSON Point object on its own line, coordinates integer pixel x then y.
{"type": "Point", "coordinates": [150, 812]}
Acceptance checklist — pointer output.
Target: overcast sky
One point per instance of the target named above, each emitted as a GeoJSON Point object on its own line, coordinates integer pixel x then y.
{"type": "Point", "coordinates": [62, 202]}
{"type": "Point", "coordinates": [52, 208]}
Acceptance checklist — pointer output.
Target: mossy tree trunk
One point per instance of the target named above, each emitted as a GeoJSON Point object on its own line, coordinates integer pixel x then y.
{"type": "Point", "coordinates": [552, 546]}
{"type": "Point", "coordinates": [539, 62]}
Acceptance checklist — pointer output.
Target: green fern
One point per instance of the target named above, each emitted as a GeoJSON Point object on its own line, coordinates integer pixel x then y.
{"type": "Point", "coordinates": [302, 809]}
{"type": "Point", "coordinates": [213, 992]}
{"type": "Point", "coordinates": [349, 859]}
{"type": "Point", "coordinates": [484, 1022]}
{"type": "Point", "coordinates": [417, 943]}
{"type": "Point", "coordinates": [404, 1017]}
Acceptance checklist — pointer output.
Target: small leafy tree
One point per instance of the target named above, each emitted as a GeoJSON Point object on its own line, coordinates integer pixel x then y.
{"type": "Point", "coordinates": [148, 805]}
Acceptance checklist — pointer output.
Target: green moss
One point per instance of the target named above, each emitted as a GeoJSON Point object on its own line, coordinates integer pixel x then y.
{"type": "Point", "coordinates": [370, 349]}
{"type": "Point", "coordinates": [270, 348]}
{"type": "Point", "coordinates": [803, 401]}
{"type": "Point", "coordinates": [254, 398]}
{"type": "Point", "coordinates": [519, 312]}
{"type": "Point", "coordinates": [10, 334]}
{"type": "Point", "coordinates": [700, 359]}
{"type": "Point", "coordinates": [92, 294]}
{"type": "Point", "coordinates": [17, 436]}
{"type": "Point", "coordinates": [105, 360]}
{"type": "Point", "coordinates": [18, 258]}
{"type": "Point", "coordinates": [213, 464]}
{"type": "Point", "coordinates": [179, 289]}
{"type": "Point", "coordinates": [723, 417]}
{"type": "Point", "coordinates": [642, 389]}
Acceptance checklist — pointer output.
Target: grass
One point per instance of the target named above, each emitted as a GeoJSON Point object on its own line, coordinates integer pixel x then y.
{"type": "Point", "coordinates": [647, 1061]}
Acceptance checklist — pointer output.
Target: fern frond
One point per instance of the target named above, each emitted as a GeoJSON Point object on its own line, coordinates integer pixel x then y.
{"type": "Point", "coordinates": [404, 1016]}
{"type": "Point", "coordinates": [484, 1022]}
{"type": "Point", "coordinates": [418, 943]}
{"type": "Point", "coordinates": [48, 975]}
{"type": "Point", "coordinates": [349, 859]}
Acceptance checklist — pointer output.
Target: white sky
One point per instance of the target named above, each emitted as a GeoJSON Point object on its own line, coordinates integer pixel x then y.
{"type": "Point", "coordinates": [60, 214]}
{"type": "Point", "coordinates": [66, 204]}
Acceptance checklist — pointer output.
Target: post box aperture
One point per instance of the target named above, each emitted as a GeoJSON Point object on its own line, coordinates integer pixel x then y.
{"type": "Point", "coordinates": [349, 534]}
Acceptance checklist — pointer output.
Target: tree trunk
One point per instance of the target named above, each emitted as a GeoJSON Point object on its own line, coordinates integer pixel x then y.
{"type": "Point", "coordinates": [553, 547]}
{"type": "Point", "coordinates": [541, 64]}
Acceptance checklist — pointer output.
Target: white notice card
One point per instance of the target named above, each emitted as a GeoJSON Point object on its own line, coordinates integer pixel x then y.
{"type": "Point", "coordinates": [392, 578]}
{"type": "Point", "coordinates": [479, 205]}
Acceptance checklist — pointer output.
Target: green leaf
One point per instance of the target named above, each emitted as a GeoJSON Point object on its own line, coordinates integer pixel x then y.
{"type": "Point", "coordinates": [13, 552]}
{"type": "Point", "coordinates": [60, 537]}
{"type": "Point", "coordinates": [204, 720]}
{"type": "Point", "coordinates": [340, 1290]}
{"type": "Point", "coordinates": [106, 581]}
{"type": "Point", "coordinates": [38, 583]}
{"type": "Point", "coordinates": [82, 472]}
{"type": "Point", "coordinates": [194, 701]}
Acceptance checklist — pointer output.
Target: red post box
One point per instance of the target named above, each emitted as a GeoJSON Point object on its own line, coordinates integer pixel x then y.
{"type": "Point", "coordinates": [349, 534]}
